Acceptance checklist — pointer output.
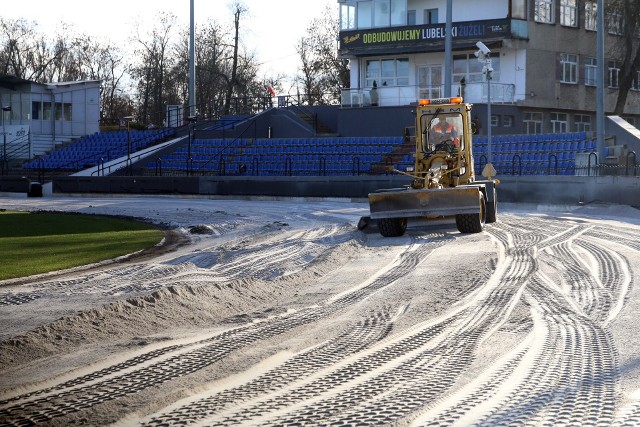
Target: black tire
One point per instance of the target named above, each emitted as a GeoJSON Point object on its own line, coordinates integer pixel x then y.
{"type": "Point", "coordinates": [472, 223]}
{"type": "Point", "coordinates": [492, 209]}
{"type": "Point", "coordinates": [392, 227]}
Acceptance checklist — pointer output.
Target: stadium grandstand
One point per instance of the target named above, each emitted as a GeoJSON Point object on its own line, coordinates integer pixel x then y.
{"type": "Point", "coordinates": [98, 148]}
{"type": "Point", "coordinates": [549, 154]}
{"type": "Point", "coordinates": [276, 153]}
{"type": "Point", "coordinates": [262, 147]}
{"type": "Point", "coordinates": [537, 154]}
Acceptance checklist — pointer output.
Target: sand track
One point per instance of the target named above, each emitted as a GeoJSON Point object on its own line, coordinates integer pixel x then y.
{"type": "Point", "coordinates": [280, 312]}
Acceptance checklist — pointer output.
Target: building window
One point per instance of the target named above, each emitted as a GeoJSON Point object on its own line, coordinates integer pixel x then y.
{"type": "Point", "coordinates": [507, 121]}
{"type": "Point", "coordinates": [614, 74]}
{"type": "Point", "coordinates": [544, 11]}
{"type": "Point", "coordinates": [381, 13]}
{"type": "Point", "coordinates": [347, 16]}
{"type": "Point", "coordinates": [569, 65]}
{"type": "Point", "coordinates": [568, 13]}
{"type": "Point", "coordinates": [495, 120]}
{"type": "Point", "coordinates": [519, 9]}
{"type": "Point", "coordinates": [411, 17]}
{"type": "Point", "coordinates": [590, 71]}
{"type": "Point", "coordinates": [582, 123]}
{"type": "Point", "coordinates": [464, 67]}
{"type": "Point", "coordinates": [402, 72]}
{"type": "Point", "coordinates": [389, 12]}
{"type": "Point", "coordinates": [36, 110]}
{"type": "Point", "coordinates": [387, 72]}
{"type": "Point", "coordinates": [46, 111]}
{"type": "Point", "coordinates": [398, 12]}
{"type": "Point", "coordinates": [431, 16]}
{"type": "Point", "coordinates": [364, 14]}
{"type": "Point", "coordinates": [590, 15]}
{"type": "Point", "coordinates": [66, 111]}
{"type": "Point", "coordinates": [532, 122]}
{"type": "Point", "coordinates": [635, 84]}
{"type": "Point", "coordinates": [559, 122]}
{"type": "Point", "coordinates": [470, 68]}
{"type": "Point", "coordinates": [615, 23]}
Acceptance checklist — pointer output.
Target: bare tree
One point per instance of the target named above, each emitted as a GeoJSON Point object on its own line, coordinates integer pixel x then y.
{"type": "Point", "coordinates": [629, 48]}
{"type": "Point", "coordinates": [150, 72]}
{"type": "Point", "coordinates": [216, 59]}
{"type": "Point", "coordinates": [226, 75]}
{"type": "Point", "coordinates": [238, 12]}
{"type": "Point", "coordinates": [323, 74]}
{"type": "Point", "coordinates": [213, 68]}
{"type": "Point", "coordinates": [27, 54]}
{"type": "Point", "coordinates": [108, 64]}
{"type": "Point", "coordinates": [215, 55]}
{"type": "Point", "coordinates": [310, 69]}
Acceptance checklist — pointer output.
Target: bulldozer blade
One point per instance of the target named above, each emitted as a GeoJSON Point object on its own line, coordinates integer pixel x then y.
{"type": "Point", "coordinates": [366, 223]}
{"type": "Point", "coordinates": [416, 203]}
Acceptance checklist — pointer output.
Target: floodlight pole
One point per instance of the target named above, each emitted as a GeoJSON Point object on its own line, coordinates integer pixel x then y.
{"type": "Point", "coordinates": [128, 120]}
{"type": "Point", "coordinates": [4, 138]}
{"type": "Point", "coordinates": [192, 120]}
{"type": "Point", "coordinates": [484, 55]}
{"type": "Point", "coordinates": [4, 144]}
{"type": "Point", "coordinates": [489, 74]}
{"type": "Point", "coordinates": [600, 113]}
{"type": "Point", "coordinates": [192, 66]}
{"type": "Point", "coordinates": [448, 60]}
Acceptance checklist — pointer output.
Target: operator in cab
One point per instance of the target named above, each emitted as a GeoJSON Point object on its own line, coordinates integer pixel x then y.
{"type": "Point", "coordinates": [443, 131]}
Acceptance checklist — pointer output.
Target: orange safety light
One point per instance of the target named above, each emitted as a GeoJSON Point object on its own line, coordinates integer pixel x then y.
{"type": "Point", "coordinates": [453, 100]}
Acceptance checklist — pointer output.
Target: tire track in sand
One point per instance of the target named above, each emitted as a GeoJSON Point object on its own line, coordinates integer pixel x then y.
{"type": "Point", "coordinates": [97, 389]}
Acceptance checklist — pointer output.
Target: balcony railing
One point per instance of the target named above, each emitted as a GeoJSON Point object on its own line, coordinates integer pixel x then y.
{"type": "Point", "coordinates": [501, 93]}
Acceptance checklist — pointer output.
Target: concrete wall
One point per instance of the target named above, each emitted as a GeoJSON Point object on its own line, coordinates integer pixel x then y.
{"type": "Point", "coordinates": [570, 189]}
{"type": "Point", "coordinates": [530, 189]}
{"type": "Point", "coordinates": [624, 134]}
{"type": "Point", "coordinates": [375, 121]}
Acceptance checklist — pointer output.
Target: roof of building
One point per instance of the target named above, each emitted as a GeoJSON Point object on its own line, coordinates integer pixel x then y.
{"type": "Point", "coordinates": [11, 82]}
{"type": "Point", "coordinates": [8, 81]}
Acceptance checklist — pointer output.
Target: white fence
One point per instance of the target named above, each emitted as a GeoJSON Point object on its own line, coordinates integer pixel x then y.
{"type": "Point", "coordinates": [404, 95]}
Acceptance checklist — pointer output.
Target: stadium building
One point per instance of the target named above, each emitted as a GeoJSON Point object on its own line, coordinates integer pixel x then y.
{"type": "Point", "coordinates": [543, 55]}
{"type": "Point", "coordinates": [37, 117]}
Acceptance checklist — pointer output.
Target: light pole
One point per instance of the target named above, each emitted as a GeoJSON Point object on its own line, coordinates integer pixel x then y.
{"type": "Point", "coordinates": [128, 119]}
{"type": "Point", "coordinates": [4, 137]}
{"type": "Point", "coordinates": [484, 55]}
{"type": "Point", "coordinates": [191, 120]}
{"type": "Point", "coordinates": [600, 112]}
{"type": "Point", "coordinates": [192, 62]}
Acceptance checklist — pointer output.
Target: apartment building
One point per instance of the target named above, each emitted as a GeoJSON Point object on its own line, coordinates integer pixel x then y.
{"type": "Point", "coordinates": [543, 56]}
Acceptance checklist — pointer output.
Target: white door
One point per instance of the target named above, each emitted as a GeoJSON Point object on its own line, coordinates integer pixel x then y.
{"type": "Point", "coordinates": [429, 81]}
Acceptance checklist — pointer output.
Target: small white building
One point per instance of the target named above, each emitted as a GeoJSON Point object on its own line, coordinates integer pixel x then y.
{"type": "Point", "coordinates": [36, 117]}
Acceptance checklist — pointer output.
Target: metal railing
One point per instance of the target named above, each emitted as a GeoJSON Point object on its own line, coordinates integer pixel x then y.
{"type": "Point", "coordinates": [551, 165]}
{"type": "Point", "coordinates": [18, 149]}
{"type": "Point", "coordinates": [405, 95]}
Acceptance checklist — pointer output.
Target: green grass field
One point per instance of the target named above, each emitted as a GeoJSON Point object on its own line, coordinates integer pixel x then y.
{"type": "Point", "coordinates": [34, 243]}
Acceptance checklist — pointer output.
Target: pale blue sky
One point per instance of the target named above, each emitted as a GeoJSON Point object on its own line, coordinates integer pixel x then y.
{"type": "Point", "coordinates": [274, 25]}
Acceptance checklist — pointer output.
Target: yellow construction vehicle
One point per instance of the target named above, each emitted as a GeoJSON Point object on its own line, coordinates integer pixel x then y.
{"type": "Point", "coordinates": [444, 182]}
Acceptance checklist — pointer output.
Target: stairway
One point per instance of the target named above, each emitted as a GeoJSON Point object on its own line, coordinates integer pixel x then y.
{"type": "Point", "coordinates": [408, 146]}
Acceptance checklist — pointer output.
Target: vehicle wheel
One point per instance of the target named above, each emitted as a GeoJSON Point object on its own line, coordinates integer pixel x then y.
{"type": "Point", "coordinates": [392, 227]}
{"type": "Point", "coordinates": [492, 209]}
{"type": "Point", "coordinates": [472, 223]}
